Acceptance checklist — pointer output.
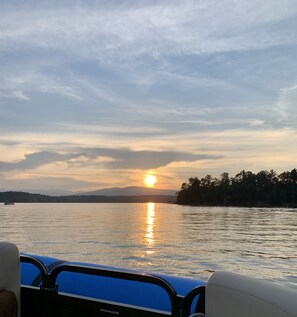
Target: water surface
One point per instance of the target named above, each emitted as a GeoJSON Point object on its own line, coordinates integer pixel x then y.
{"type": "Point", "coordinates": [172, 239]}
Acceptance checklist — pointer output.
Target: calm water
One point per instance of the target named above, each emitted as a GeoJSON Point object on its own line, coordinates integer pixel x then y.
{"type": "Point", "coordinates": [184, 241]}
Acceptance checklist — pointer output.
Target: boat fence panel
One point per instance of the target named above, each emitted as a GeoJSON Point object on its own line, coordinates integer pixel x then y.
{"type": "Point", "coordinates": [74, 290]}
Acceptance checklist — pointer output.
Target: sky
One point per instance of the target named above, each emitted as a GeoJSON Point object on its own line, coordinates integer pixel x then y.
{"type": "Point", "coordinates": [97, 94]}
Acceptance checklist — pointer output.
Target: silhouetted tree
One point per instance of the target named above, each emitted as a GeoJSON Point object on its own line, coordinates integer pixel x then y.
{"type": "Point", "coordinates": [225, 183]}
{"type": "Point", "coordinates": [265, 188]}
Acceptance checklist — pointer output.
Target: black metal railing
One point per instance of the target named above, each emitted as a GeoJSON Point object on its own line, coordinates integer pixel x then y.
{"type": "Point", "coordinates": [44, 272]}
{"type": "Point", "coordinates": [49, 278]}
{"type": "Point", "coordinates": [198, 293]}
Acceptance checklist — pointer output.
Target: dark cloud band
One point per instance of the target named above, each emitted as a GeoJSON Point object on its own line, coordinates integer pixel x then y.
{"type": "Point", "coordinates": [119, 158]}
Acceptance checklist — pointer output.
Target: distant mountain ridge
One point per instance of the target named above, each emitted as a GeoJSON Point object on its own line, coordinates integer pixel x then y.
{"type": "Point", "coordinates": [17, 197]}
{"type": "Point", "coordinates": [130, 191]}
{"type": "Point", "coordinates": [49, 192]}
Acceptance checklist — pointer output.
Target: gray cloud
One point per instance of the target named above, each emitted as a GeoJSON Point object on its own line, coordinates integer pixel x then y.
{"type": "Point", "coordinates": [8, 142]}
{"type": "Point", "coordinates": [129, 159]}
{"type": "Point", "coordinates": [34, 160]}
{"type": "Point", "coordinates": [119, 159]}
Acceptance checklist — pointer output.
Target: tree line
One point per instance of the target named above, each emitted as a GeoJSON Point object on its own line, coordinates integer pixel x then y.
{"type": "Point", "coordinates": [264, 189]}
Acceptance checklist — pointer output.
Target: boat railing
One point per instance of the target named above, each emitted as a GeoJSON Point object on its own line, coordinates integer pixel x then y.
{"type": "Point", "coordinates": [44, 272]}
{"type": "Point", "coordinates": [189, 299]}
{"type": "Point", "coordinates": [49, 277]}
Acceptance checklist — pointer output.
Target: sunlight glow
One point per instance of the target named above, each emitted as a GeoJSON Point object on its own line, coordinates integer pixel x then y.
{"type": "Point", "coordinates": [149, 180]}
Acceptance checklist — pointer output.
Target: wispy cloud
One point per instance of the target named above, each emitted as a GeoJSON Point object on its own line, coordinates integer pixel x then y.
{"type": "Point", "coordinates": [286, 105]}
{"type": "Point", "coordinates": [161, 28]}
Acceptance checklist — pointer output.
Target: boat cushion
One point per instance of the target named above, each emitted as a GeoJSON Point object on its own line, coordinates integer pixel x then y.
{"type": "Point", "coordinates": [8, 304]}
{"type": "Point", "coordinates": [233, 295]}
{"type": "Point", "coordinates": [10, 273]}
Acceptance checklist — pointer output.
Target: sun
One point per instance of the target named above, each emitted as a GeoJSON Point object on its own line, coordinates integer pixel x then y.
{"type": "Point", "coordinates": [149, 180]}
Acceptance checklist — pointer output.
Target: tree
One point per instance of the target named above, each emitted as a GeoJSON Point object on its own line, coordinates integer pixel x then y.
{"type": "Point", "coordinates": [266, 188]}
{"type": "Point", "coordinates": [225, 183]}
{"type": "Point", "coordinates": [190, 192]}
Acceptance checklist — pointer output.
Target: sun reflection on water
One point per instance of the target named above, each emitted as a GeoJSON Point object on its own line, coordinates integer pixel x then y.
{"type": "Point", "coordinates": [150, 223]}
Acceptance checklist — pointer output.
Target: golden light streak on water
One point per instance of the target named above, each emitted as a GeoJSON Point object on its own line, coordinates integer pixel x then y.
{"type": "Point", "coordinates": [150, 224]}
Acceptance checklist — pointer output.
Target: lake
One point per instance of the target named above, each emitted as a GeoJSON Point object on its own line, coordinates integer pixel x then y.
{"type": "Point", "coordinates": [164, 238]}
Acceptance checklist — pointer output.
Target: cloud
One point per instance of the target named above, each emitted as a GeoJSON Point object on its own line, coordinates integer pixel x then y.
{"type": "Point", "coordinates": [7, 142]}
{"type": "Point", "coordinates": [138, 59]}
{"type": "Point", "coordinates": [21, 83]}
{"type": "Point", "coordinates": [157, 29]}
{"type": "Point", "coordinates": [20, 95]}
{"type": "Point", "coordinates": [286, 105]}
{"type": "Point", "coordinates": [129, 159]}
{"type": "Point", "coordinates": [109, 158]}
{"type": "Point", "coordinates": [256, 123]}
{"type": "Point", "coordinates": [34, 160]}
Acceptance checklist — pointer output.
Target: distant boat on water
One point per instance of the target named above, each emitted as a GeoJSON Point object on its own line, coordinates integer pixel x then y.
{"type": "Point", "coordinates": [8, 202]}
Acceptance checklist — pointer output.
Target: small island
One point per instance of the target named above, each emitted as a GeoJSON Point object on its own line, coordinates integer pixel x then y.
{"type": "Point", "coordinates": [246, 189]}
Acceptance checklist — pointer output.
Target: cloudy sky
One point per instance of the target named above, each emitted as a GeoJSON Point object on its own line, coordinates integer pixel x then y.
{"type": "Point", "coordinates": [97, 94]}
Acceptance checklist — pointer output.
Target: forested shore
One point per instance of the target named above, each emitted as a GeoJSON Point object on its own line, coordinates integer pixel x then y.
{"type": "Point", "coordinates": [247, 189]}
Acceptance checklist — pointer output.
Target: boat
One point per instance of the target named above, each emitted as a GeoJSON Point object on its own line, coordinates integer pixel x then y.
{"type": "Point", "coordinates": [8, 202]}
{"type": "Point", "coordinates": [52, 287]}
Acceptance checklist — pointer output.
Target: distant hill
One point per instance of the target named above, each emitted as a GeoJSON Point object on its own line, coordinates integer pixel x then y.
{"type": "Point", "coordinates": [37, 198]}
{"type": "Point", "coordinates": [49, 192]}
{"type": "Point", "coordinates": [131, 191]}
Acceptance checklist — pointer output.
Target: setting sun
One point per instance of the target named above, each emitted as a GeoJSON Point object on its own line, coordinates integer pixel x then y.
{"type": "Point", "coordinates": [150, 180]}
